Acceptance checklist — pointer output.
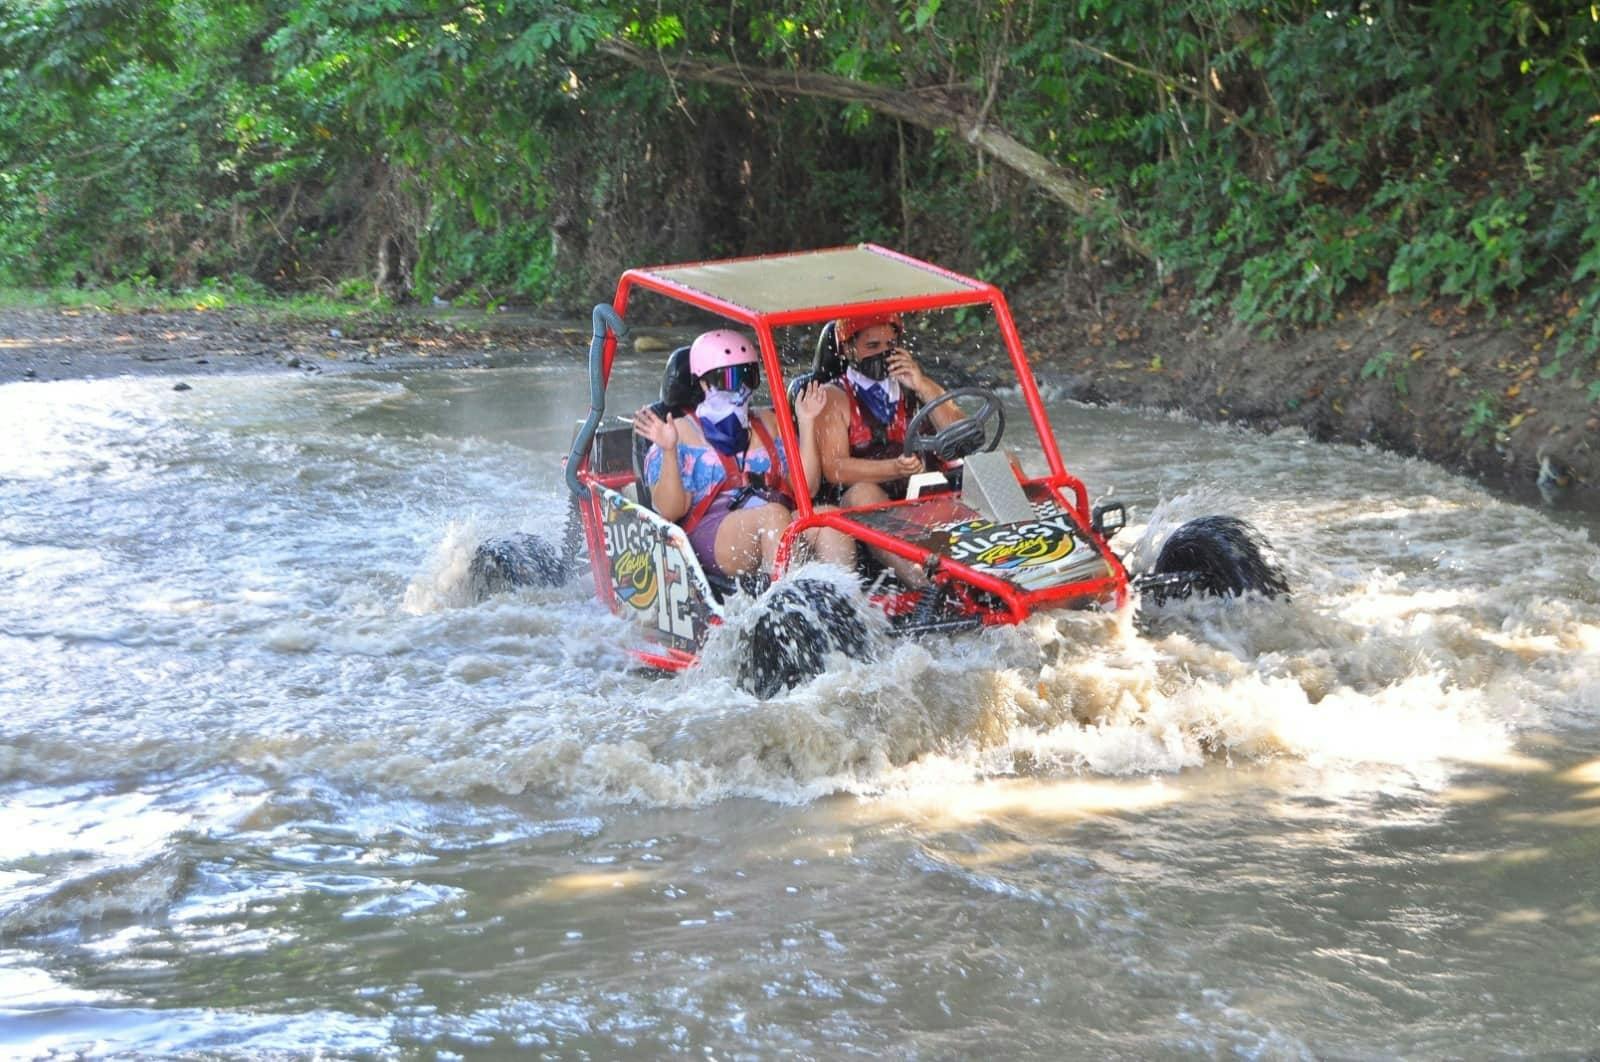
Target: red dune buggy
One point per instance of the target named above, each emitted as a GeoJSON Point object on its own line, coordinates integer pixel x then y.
{"type": "Point", "coordinates": [994, 542]}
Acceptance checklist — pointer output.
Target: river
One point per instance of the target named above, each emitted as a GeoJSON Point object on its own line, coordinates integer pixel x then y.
{"type": "Point", "coordinates": [270, 784]}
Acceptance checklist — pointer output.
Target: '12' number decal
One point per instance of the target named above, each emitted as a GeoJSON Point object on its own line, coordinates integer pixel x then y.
{"type": "Point", "coordinates": [672, 615]}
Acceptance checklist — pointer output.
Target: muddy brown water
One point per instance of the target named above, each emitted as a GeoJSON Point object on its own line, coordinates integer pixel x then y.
{"type": "Point", "coordinates": [269, 784]}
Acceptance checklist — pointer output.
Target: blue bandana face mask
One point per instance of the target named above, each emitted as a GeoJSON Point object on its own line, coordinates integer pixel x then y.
{"type": "Point", "coordinates": [879, 396]}
{"type": "Point", "coordinates": [725, 419]}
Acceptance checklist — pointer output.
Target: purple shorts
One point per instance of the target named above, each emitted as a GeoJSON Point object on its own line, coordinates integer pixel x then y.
{"type": "Point", "coordinates": [704, 536]}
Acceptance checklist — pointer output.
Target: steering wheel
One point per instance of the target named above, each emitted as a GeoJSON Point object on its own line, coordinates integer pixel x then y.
{"type": "Point", "coordinates": [966, 436]}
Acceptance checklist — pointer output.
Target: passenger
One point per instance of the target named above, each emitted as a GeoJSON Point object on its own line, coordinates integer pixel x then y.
{"type": "Point", "coordinates": [720, 483]}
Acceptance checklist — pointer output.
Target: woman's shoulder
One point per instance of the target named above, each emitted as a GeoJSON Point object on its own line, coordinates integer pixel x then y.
{"type": "Point", "coordinates": [689, 430]}
{"type": "Point", "coordinates": [691, 441]}
{"type": "Point", "coordinates": [769, 420]}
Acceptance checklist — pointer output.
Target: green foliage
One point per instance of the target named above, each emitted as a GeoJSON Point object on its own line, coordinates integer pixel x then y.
{"type": "Point", "coordinates": [1482, 414]}
{"type": "Point", "coordinates": [1583, 332]}
{"type": "Point", "coordinates": [1386, 365]}
{"type": "Point", "coordinates": [1480, 257]}
{"type": "Point", "coordinates": [163, 164]}
{"type": "Point", "coordinates": [134, 296]}
{"type": "Point", "coordinates": [1276, 158]}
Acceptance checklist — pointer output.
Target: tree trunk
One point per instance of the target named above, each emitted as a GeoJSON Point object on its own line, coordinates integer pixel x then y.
{"type": "Point", "coordinates": [929, 108]}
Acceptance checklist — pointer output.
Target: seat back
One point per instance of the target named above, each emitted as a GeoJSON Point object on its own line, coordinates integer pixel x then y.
{"type": "Point", "coordinates": [798, 384]}
{"type": "Point", "coordinates": [829, 362]}
{"type": "Point", "coordinates": [679, 397]}
{"type": "Point", "coordinates": [679, 392]}
{"type": "Point", "coordinates": [641, 449]}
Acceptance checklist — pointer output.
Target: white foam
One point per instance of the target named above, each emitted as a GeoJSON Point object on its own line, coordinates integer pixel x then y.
{"type": "Point", "coordinates": [245, 615]}
{"type": "Point", "coordinates": [443, 581]}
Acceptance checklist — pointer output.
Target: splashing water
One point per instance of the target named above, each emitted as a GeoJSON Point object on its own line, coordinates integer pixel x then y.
{"type": "Point", "coordinates": [256, 725]}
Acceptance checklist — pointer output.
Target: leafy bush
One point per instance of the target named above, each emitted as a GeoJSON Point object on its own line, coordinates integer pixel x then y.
{"type": "Point", "coordinates": [1275, 157]}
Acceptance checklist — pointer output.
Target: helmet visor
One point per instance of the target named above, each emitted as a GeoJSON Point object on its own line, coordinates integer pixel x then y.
{"type": "Point", "coordinates": [733, 377]}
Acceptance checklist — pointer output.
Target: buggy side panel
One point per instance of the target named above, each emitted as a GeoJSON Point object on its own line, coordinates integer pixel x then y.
{"type": "Point", "coordinates": [653, 574]}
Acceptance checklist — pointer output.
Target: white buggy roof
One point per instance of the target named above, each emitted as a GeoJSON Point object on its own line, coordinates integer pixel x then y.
{"type": "Point", "coordinates": [835, 279]}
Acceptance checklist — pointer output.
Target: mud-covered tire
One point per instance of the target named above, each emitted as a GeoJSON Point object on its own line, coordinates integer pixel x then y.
{"type": "Point", "coordinates": [1222, 556]}
{"type": "Point", "coordinates": [797, 624]}
{"type": "Point", "coordinates": [513, 561]}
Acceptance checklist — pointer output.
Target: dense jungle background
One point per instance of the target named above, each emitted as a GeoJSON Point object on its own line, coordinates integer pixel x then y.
{"type": "Point", "coordinates": [1167, 182]}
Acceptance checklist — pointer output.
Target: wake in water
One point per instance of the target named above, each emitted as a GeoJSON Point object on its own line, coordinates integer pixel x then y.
{"type": "Point", "coordinates": [313, 615]}
{"type": "Point", "coordinates": [1130, 693]}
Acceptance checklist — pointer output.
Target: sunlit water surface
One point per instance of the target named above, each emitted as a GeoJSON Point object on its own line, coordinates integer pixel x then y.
{"type": "Point", "coordinates": [271, 784]}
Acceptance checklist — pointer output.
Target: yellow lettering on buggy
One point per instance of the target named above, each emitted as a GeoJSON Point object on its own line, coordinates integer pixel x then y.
{"type": "Point", "coordinates": [1026, 552]}
{"type": "Point", "coordinates": [635, 578]}
{"type": "Point", "coordinates": [1027, 545]}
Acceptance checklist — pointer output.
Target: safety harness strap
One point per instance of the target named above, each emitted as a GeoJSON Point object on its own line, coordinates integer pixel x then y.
{"type": "Point", "coordinates": [731, 470]}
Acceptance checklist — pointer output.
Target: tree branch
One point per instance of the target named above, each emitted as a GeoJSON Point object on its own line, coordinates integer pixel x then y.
{"type": "Point", "coordinates": [1172, 84]}
{"type": "Point", "coordinates": [936, 109]}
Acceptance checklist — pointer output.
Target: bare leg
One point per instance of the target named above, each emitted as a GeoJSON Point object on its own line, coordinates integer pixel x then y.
{"type": "Point", "coordinates": [748, 538]}
{"type": "Point", "coordinates": [829, 545]}
{"type": "Point", "coordinates": [905, 570]}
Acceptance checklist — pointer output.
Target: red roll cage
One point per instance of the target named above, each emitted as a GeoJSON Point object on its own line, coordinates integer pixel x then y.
{"type": "Point", "coordinates": [765, 292]}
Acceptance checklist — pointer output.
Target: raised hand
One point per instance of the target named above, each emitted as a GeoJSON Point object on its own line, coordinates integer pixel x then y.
{"type": "Point", "coordinates": [812, 401]}
{"type": "Point", "coordinates": [663, 433]}
{"type": "Point", "coordinates": [904, 368]}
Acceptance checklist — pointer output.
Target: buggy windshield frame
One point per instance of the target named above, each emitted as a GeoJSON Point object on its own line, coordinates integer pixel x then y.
{"type": "Point", "coordinates": [765, 292]}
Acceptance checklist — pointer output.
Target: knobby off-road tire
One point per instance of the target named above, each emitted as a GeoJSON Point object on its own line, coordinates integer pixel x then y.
{"type": "Point", "coordinates": [513, 561]}
{"type": "Point", "coordinates": [1223, 556]}
{"type": "Point", "coordinates": [798, 623]}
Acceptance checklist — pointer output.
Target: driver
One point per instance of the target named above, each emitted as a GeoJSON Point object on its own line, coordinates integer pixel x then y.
{"type": "Point", "coordinates": [861, 433]}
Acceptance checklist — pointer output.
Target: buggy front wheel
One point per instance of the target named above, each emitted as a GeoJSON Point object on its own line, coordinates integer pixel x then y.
{"type": "Point", "coordinates": [1214, 556]}
{"type": "Point", "coordinates": [798, 624]}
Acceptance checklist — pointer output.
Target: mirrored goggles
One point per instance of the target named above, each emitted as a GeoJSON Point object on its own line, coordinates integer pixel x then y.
{"type": "Point", "coordinates": [733, 377]}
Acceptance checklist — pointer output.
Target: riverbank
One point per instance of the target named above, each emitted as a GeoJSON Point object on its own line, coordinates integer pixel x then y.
{"type": "Point", "coordinates": [1453, 387]}
{"type": "Point", "coordinates": [64, 344]}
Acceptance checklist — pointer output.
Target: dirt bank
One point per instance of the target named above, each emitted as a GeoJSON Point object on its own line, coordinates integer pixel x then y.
{"type": "Point", "coordinates": [1452, 386]}
{"type": "Point", "coordinates": [1456, 388]}
{"type": "Point", "coordinates": [89, 344]}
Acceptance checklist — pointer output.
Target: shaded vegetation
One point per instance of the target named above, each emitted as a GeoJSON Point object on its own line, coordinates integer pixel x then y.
{"type": "Point", "coordinates": [143, 295]}
{"type": "Point", "coordinates": [1269, 161]}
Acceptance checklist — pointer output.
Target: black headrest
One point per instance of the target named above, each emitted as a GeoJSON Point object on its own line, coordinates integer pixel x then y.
{"type": "Point", "coordinates": [829, 363]}
{"type": "Point", "coordinates": [798, 384]}
{"type": "Point", "coordinates": [679, 392]}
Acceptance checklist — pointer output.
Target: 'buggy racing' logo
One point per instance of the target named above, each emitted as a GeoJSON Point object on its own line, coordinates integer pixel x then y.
{"type": "Point", "coordinates": [1004, 547]}
{"type": "Point", "coordinates": [631, 546]}
{"type": "Point", "coordinates": [653, 571]}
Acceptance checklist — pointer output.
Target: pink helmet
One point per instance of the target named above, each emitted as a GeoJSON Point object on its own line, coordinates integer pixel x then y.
{"type": "Point", "coordinates": [715, 350]}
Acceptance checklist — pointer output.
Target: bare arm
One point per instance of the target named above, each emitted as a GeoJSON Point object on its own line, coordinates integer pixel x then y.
{"type": "Point", "coordinates": [812, 401]}
{"type": "Point", "coordinates": [667, 493]}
